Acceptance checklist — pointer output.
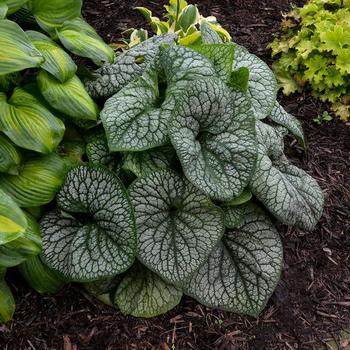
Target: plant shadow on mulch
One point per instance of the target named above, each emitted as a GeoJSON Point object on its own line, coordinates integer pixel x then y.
{"type": "Point", "coordinates": [312, 301]}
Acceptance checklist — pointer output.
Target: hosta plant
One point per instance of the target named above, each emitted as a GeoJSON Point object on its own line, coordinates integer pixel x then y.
{"type": "Point", "coordinates": [183, 183]}
{"type": "Point", "coordinates": [314, 51]}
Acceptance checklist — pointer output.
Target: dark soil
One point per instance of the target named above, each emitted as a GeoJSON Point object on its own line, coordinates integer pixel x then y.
{"type": "Point", "coordinates": [312, 302]}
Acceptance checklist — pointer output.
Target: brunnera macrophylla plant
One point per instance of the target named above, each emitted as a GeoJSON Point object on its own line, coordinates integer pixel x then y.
{"type": "Point", "coordinates": [183, 184]}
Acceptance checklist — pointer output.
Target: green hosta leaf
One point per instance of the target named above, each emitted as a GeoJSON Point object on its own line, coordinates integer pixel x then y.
{"type": "Point", "coordinates": [212, 131]}
{"type": "Point", "coordinates": [242, 272]}
{"type": "Point", "coordinates": [288, 192]}
{"type": "Point", "coordinates": [17, 251]}
{"type": "Point", "coordinates": [233, 215]}
{"type": "Point", "coordinates": [177, 225]}
{"type": "Point", "coordinates": [133, 118]}
{"type": "Point", "coordinates": [102, 247]}
{"type": "Point", "coordinates": [7, 302]}
{"type": "Point", "coordinates": [51, 14]}
{"type": "Point", "coordinates": [128, 66]}
{"type": "Point", "coordinates": [28, 123]}
{"type": "Point", "coordinates": [209, 35]}
{"type": "Point", "coordinates": [69, 97]}
{"type": "Point", "coordinates": [3, 10]}
{"type": "Point", "coordinates": [40, 277]}
{"type": "Point", "coordinates": [281, 117]}
{"type": "Point", "coordinates": [144, 294]}
{"type": "Point", "coordinates": [144, 163]}
{"type": "Point", "coordinates": [80, 38]}
{"type": "Point", "coordinates": [221, 55]}
{"type": "Point", "coordinates": [14, 5]}
{"type": "Point", "coordinates": [10, 158]}
{"type": "Point", "coordinates": [262, 86]}
{"type": "Point", "coordinates": [57, 61]}
{"type": "Point", "coordinates": [13, 222]}
{"type": "Point", "coordinates": [188, 17]}
{"type": "Point", "coordinates": [16, 50]}
{"type": "Point", "coordinates": [37, 182]}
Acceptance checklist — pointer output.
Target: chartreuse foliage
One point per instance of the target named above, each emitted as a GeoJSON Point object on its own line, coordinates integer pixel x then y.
{"type": "Point", "coordinates": [37, 139]}
{"type": "Point", "coordinates": [314, 49]}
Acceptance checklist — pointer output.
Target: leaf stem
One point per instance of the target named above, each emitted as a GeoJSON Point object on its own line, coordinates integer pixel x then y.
{"type": "Point", "coordinates": [177, 12]}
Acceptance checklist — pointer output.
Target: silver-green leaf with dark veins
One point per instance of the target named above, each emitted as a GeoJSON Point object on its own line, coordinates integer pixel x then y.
{"type": "Point", "coordinates": [177, 225]}
{"type": "Point", "coordinates": [213, 133]}
{"type": "Point", "coordinates": [102, 246]}
{"type": "Point", "coordinates": [242, 272]}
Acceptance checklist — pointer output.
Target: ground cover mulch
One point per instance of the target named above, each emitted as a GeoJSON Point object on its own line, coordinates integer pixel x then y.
{"type": "Point", "coordinates": [312, 301]}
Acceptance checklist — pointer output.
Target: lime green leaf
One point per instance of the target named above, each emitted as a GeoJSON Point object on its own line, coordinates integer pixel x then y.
{"type": "Point", "coordinates": [14, 5]}
{"type": "Point", "coordinates": [145, 13]}
{"type": "Point", "coordinates": [103, 246]}
{"type": "Point", "coordinates": [10, 157]}
{"type": "Point", "coordinates": [38, 181]}
{"type": "Point", "coordinates": [212, 131]}
{"type": "Point", "coordinates": [16, 50]}
{"type": "Point", "coordinates": [144, 294]}
{"type": "Point", "coordinates": [13, 222]}
{"type": "Point", "coordinates": [40, 277]}
{"type": "Point", "coordinates": [80, 38]}
{"type": "Point", "coordinates": [177, 225]}
{"type": "Point", "coordinates": [57, 61]}
{"type": "Point", "coordinates": [7, 302]}
{"type": "Point", "coordinates": [244, 197]}
{"type": "Point", "coordinates": [51, 14]}
{"type": "Point", "coordinates": [69, 97]}
{"type": "Point", "coordinates": [336, 39]}
{"type": "Point", "coordinates": [242, 272]}
{"type": "Point", "coordinates": [17, 251]}
{"type": "Point", "coordinates": [3, 10]}
{"type": "Point", "coordinates": [28, 123]}
{"type": "Point", "coordinates": [190, 39]}
{"type": "Point", "coordinates": [343, 61]}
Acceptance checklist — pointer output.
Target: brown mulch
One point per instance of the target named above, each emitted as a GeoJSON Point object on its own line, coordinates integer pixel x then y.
{"type": "Point", "coordinates": [312, 301]}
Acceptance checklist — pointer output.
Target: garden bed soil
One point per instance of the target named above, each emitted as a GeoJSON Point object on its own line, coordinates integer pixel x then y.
{"type": "Point", "coordinates": [312, 301]}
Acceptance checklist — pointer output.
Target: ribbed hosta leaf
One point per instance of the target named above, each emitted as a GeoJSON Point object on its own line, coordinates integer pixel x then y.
{"type": "Point", "coordinates": [142, 293]}
{"type": "Point", "coordinates": [17, 251]}
{"type": "Point", "coordinates": [209, 35]}
{"type": "Point", "coordinates": [128, 66]}
{"type": "Point", "coordinates": [262, 86]}
{"type": "Point", "coordinates": [288, 192]}
{"type": "Point", "coordinates": [242, 272]}
{"type": "Point", "coordinates": [81, 39]}
{"type": "Point", "coordinates": [69, 97]}
{"type": "Point", "coordinates": [7, 302]}
{"type": "Point", "coordinates": [37, 182]}
{"type": "Point", "coordinates": [40, 277]}
{"type": "Point", "coordinates": [16, 50]}
{"type": "Point", "coordinates": [221, 55]}
{"type": "Point", "coordinates": [104, 245]}
{"type": "Point", "coordinates": [28, 123]}
{"type": "Point", "coordinates": [13, 222]}
{"type": "Point", "coordinates": [53, 13]}
{"type": "Point", "coordinates": [212, 131]}
{"type": "Point", "coordinates": [10, 157]}
{"type": "Point", "coordinates": [57, 61]}
{"type": "Point", "coordinates": [14, 5]}
{"type": "Point", "coordinates": [177, 225]}
{"type": "Point", "coordinates": [144, 163]}
{"type": "Point", "coordinates": [3, 10]}
{"type": "Point", "coordinates": [281, 117]}
{"type": "Point", "coordinates": [133, 119]}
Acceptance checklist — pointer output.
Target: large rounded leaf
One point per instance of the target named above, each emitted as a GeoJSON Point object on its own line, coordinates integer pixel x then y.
{"type": "Point", "coordinates": [37, 182]}
{"type": "Point", "coordinates": [81, 39]}
{"type": "Point", "coordinates": [288, 192]}
{"type": "Point", "coordinates": [142, 293]}
{"type": "Point", "coordinates": [13, 223]}
{"type": "Point", "coordinates": [10, 157]}
{"type": "Point", "coordinates": [262, 85]}
{"type": "Point", "coordinates": [213, 133]}
{"type": "Point", "coordinates": [28, 123]}
{"type": "Point", "coordinates": [14, 5]}
{"type": "Point", "coordinates": [17, 251]}
{"type": "Point", "coordinates": [209, 35]}
{"type": "Point", "coordinates": [177, 225]}
{"type": "Point", "coordinates": [52, 13]}
{"type": "Point", "coordinates": [242, 272]}
{"type": "Point", "coordinates": [16, 50]}
{"type": "Point", "coordinates": [69, 97]}
{"type": "Point", "coordinates": [128, 66]}
{"type": "Point", "coordinates": [103, 244]}
{"type": "Point", "coordinates": [57, 61]}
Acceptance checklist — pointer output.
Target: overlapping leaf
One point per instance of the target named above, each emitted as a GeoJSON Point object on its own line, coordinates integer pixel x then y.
{"type": "Point", "coordinates": [10, 158]}
{"type": "Point", "coordinates": [7, 301]}
{"type": "Point", "coordinates": [177, 226]}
